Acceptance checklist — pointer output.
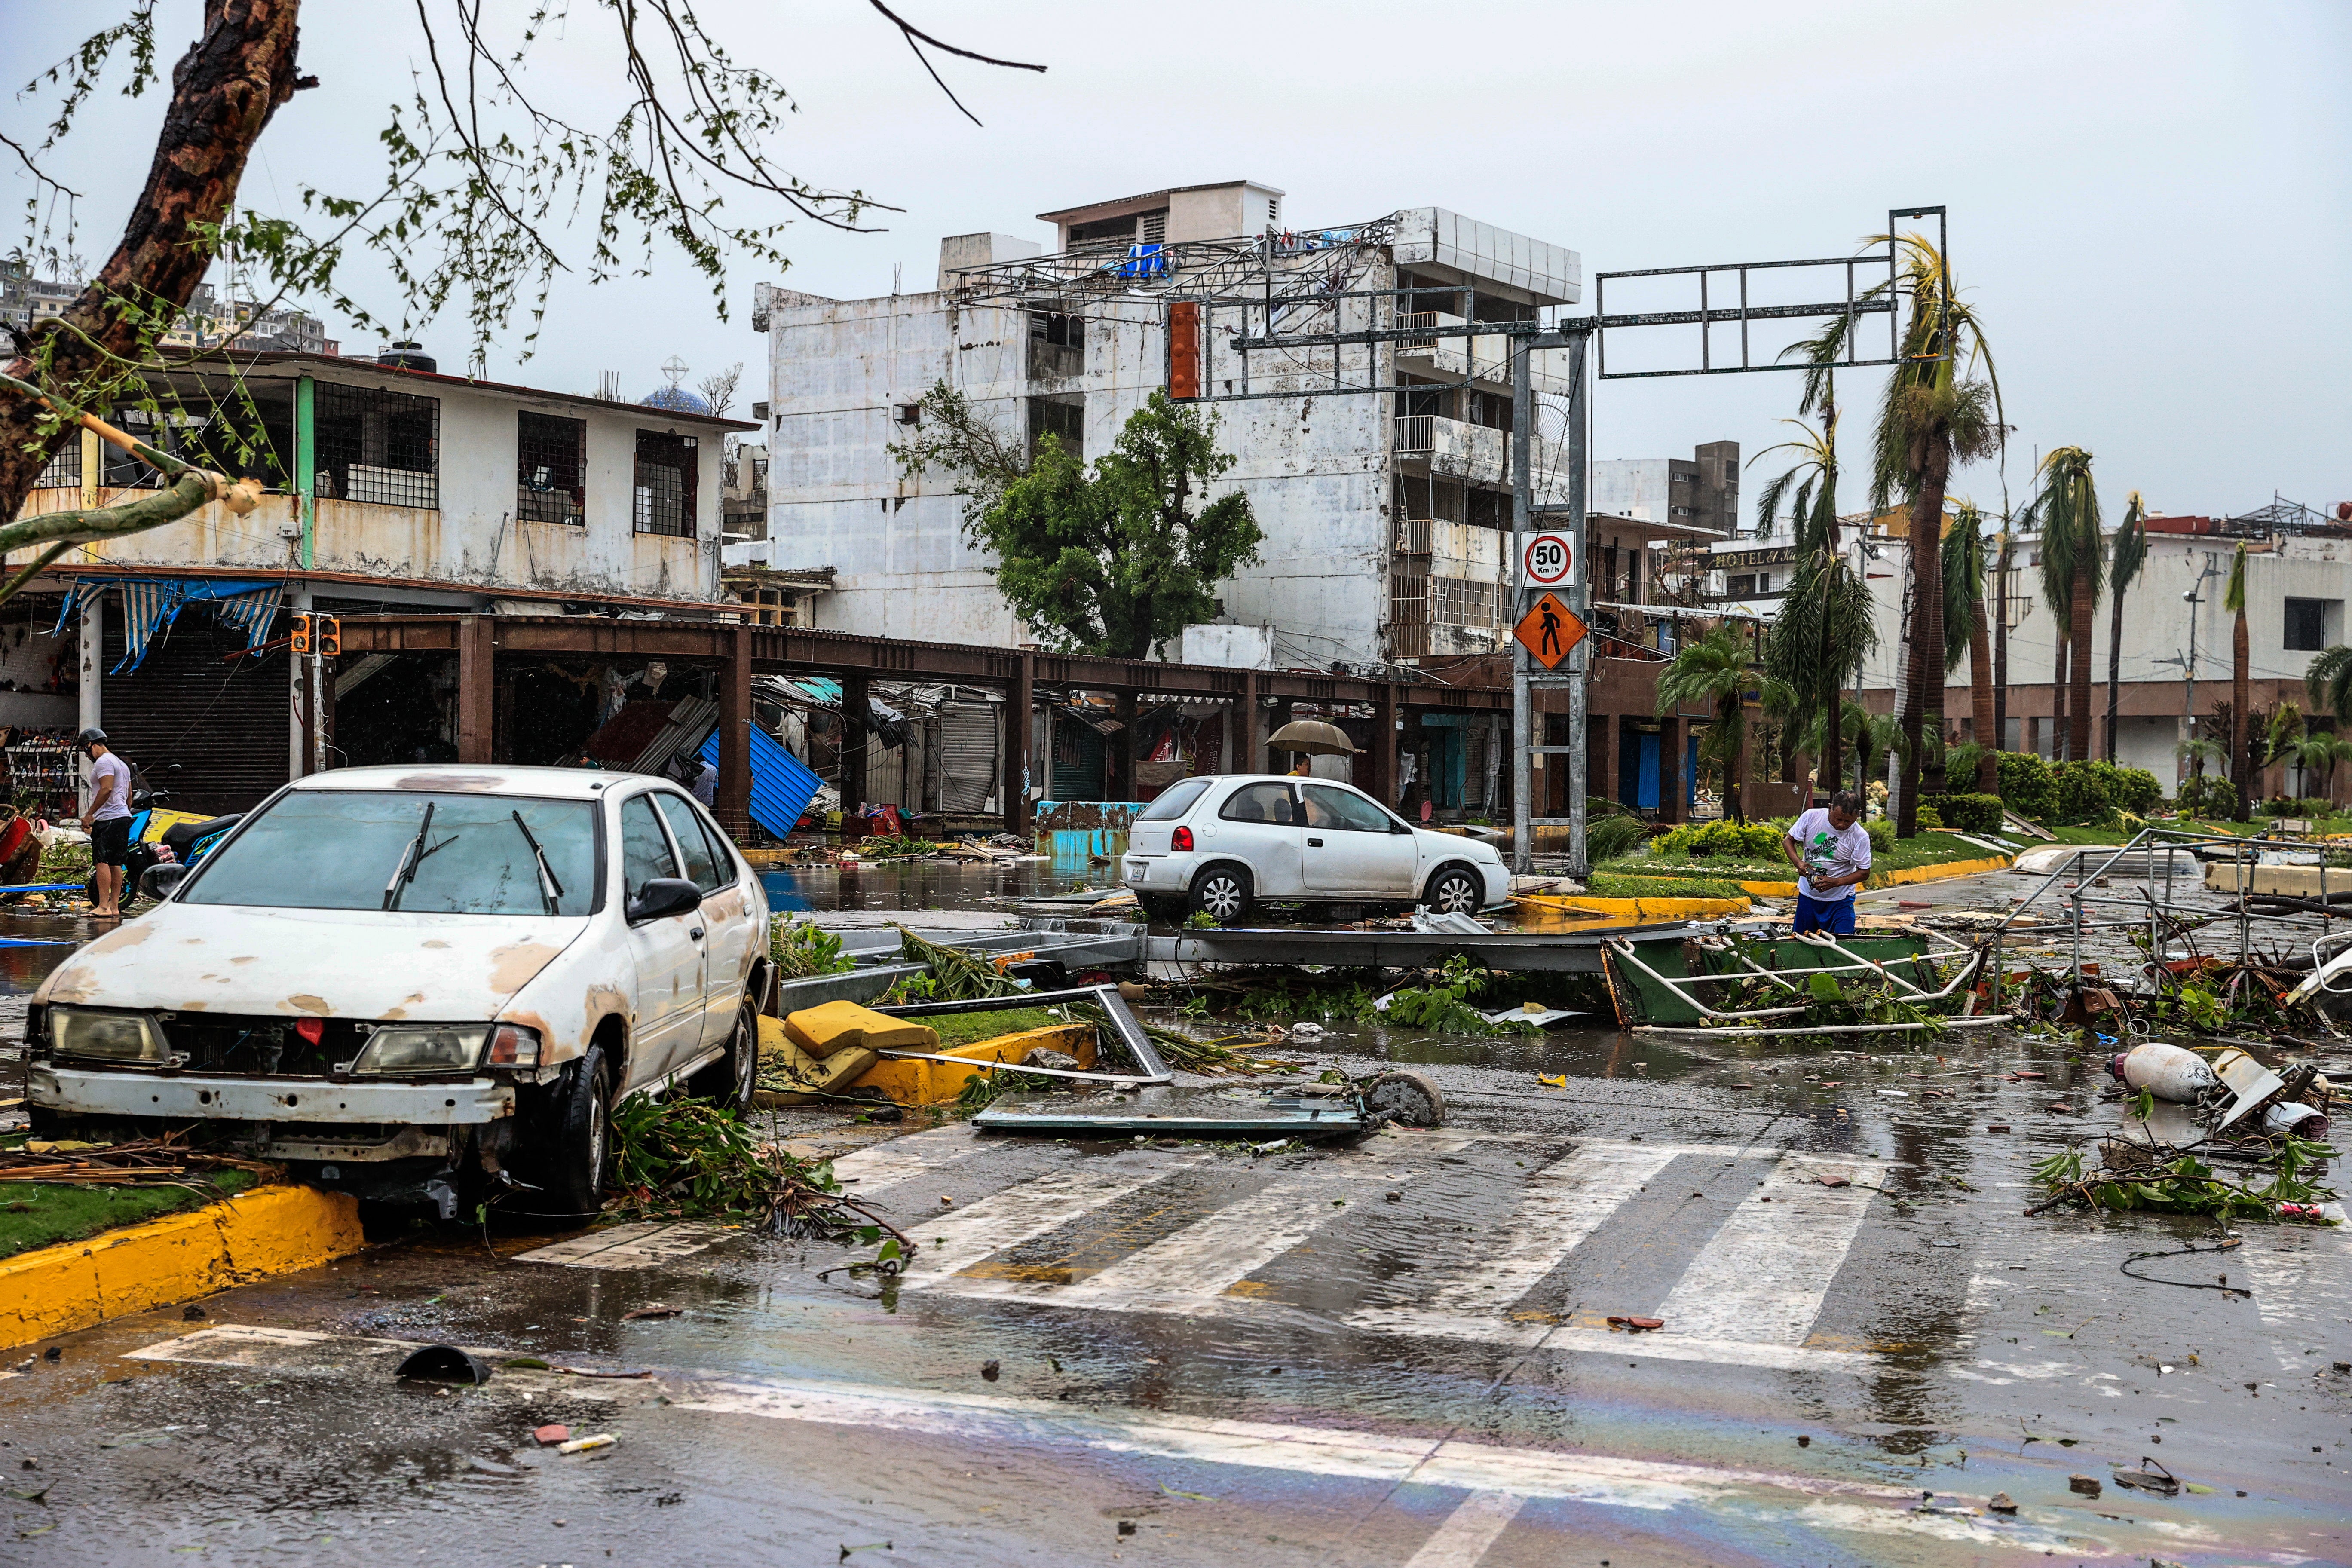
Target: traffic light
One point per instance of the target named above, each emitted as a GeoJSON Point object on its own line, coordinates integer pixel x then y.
{"type": "Point", "coordinates": [329, 630]}
{"type": "Point", "coordinates": [301, 631]}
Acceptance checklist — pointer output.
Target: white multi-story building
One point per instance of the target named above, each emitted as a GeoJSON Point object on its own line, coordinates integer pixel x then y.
{"type": "Point", "coordinates": [1385, 513]}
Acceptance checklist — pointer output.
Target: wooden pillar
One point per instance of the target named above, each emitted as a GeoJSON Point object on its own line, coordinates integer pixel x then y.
{"type": "Point", "coordinates": [1674, 751]}
{"type": "Point", "coordinates": [1384, 746]}
{"type": "Point", "coordinates": [733, 806]}
{"type": "Point", "coordinates": [1242, 721]}
{"type": "Point", "coordinates": [855, 717]}
{"type": "Point", "coordinates": [477, 687]}
{"type": "Point", "coordinates": [1019, 727]}
{"type": "Point", "coordinates": [1123, 787]}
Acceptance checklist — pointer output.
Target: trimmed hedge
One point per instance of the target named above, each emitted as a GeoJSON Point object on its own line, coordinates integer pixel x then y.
{"type": "Point", "coordinates": [1968, 813]}
{"type": "Point", "coordinates": [2073, 793]}
{"type": "Point", "coordinates": [1724, 838]}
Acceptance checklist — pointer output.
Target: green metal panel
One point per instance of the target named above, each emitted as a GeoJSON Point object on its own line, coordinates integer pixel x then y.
{"type": "Point", "coordinates": [306, 461]}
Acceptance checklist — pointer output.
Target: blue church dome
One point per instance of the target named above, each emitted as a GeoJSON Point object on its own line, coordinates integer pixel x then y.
{"type": "Point", "coordinates": [677, 400]}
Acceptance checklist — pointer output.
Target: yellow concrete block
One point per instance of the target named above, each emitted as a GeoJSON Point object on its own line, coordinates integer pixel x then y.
{"type": "Point", "coordinates": [822, 1030]}
{"type": "Point", "coordinates": [936, 1083]}
{"type": "Point", "coordinates": [2284, 881]}
{"type": "Point", "coordinates": [261, 1233]}
{"type": "Point", "coordinates": [780, 1056]}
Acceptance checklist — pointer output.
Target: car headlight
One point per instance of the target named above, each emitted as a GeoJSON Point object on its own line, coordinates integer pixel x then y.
{"type": "Point", "coordinates": [111, 1037]}
{"type": "Point", "coordinates": [512, 1046]}
{"type": "Point", "coordinates": [422, 1048]}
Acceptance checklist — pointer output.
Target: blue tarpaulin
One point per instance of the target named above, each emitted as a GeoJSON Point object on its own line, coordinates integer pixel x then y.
{"type": "Point", "coordinates": [150, 605]}
{"type": "Point", "coordinates": [782, 785]}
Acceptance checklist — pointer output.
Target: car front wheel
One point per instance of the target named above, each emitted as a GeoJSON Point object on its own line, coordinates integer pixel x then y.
{"type": "Point", "coordinates": [1223, 893]}
{"type": "Point", "coordinates": [1455, 891]}
{"type": "Point", "coordinates": [573, 1139]}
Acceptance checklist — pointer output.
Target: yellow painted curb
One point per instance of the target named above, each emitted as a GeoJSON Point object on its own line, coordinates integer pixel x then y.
{"type": "Point", "coordinates": [1639, 909]}
{"type": "Point", "coordinates": [1902, 879]}
{"type": "Point", "coordinates": [267, 1231]}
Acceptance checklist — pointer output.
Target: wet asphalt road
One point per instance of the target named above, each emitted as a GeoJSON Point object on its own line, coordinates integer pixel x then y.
{"type": "Point", "coordinates": [1267, 1359]}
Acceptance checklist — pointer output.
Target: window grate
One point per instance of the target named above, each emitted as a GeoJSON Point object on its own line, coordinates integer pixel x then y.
{"type": "Point", "coordinates": [63, 470]}
{"type": "Point", "coordinates": [664, 484]}
{"type": "Point", "coordinates": [550, 469]}
{"type": "Point", "coordinates": [377, 446]}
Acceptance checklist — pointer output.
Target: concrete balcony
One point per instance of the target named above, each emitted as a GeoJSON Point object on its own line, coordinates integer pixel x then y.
{"type": "Point", "coordinates": [1453, 446]}
{"type": "Point", "coordinates": [1480, 356]}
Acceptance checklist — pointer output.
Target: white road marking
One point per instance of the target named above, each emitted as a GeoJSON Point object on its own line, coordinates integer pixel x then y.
{"type": "Point", "coordinates": [949, 1243]}
{"type": "Point", "coordinates": [1484, 1470]}
{"type": "Point", "coordinates": [879, 1167]}
{"type": "Point", "coordinates": [1468, 1531]}
{"type": "Point", "coordinates": [1340, 1452]}
{"type": "Point", "coordinates": [1561, 1205]}
{"type": "Point", "coordinates": [627, 1246]}
{"type": "Point", "coordinates": [1763, 1277]}
{"type": "Point", "coordinates": [1189, 1271]}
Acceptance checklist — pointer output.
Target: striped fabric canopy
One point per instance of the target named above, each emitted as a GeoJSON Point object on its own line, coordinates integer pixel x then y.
{"type": "Point", "coordinates": [150, 605]}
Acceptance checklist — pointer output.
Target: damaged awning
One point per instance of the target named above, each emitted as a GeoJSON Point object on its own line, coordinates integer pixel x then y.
{"type": "Point", "coordinates": [150, 605]}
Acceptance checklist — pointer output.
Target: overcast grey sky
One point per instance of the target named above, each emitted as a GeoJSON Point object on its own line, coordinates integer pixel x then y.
{"type": "Point", "coordinates": [2149, 200]}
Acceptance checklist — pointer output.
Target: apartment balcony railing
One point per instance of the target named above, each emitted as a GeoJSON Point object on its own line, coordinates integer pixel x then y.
{"type": "Point", "coordinates": [1453, 446]}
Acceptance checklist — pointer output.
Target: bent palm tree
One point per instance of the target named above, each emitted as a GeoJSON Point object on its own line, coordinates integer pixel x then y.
{"type": "Point", "coordinates": [2233, 599]}
{"type": "Point", "coordinates": [2129, 555]}
{"type": "Point", "coordinates": [1719, 670]}
{"type": "Point", "coordinates": [1965, 613]}
{"type": "Point", "coordinates": [2066, 509]}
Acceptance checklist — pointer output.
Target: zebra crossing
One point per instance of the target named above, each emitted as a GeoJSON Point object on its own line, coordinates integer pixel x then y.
{"type": "Point", "coordinates": [1136, 1235]}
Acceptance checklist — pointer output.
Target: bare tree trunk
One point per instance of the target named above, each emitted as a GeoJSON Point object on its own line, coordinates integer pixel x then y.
{"type": "Point", "coordinates": [2001, 648]}
{"type": "Point", "coordinates": [1980, 703]}
{"type": "Point", "coordinates": [1924, 660]}
{"type": "Point", "coordinates": [224, 91]}
{"type": "Point", "coordinates": [2115, 661]}
{"type": "Point", "coordinates": [2242, 760]}
{"type": "Point", "coordinates": [2059, 731]}
{"type": "Point", "coordinates": [2078, 695]}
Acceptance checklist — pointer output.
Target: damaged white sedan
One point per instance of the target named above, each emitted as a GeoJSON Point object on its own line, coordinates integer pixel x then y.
{"type": "Point", "coordinates": [435, 976]}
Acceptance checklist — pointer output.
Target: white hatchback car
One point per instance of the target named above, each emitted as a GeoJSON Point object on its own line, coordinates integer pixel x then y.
{"type": "Point", "coordinates": [387, 974]}
{"type": "Point", "coordinates": [1217, 844]}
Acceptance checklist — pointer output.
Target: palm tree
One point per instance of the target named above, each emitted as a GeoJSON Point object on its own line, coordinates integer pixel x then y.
{"type": "Point", "coordinates": [1718, 669]}
{"type": "Point", "coordinates": [2329, 681]}
{"type": "Point", "coordinates": [1825, 628]}
{"type": "Point", "coordinates": [1965, 613]}
{"type": "Point", "coordinates": [2066, 509]}
{"type": "Point", "coordinates": [2123, 566]}
{"type": "Point", "coordinates": [1934, 413]}
{"type": "Point", "coordinates": [2319, 753]}
{"type": "Point", "coordinates": [2233, 599]}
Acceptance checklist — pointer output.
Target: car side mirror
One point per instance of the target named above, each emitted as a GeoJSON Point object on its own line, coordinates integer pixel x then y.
{"type": "Point", "coordinates": [157, 881]}
{"type": "Point", "coordinates": [662, 898]}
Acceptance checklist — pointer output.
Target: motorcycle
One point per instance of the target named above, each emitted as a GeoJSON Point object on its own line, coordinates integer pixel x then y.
{"type": "Point", "coordinates": [160, 836]}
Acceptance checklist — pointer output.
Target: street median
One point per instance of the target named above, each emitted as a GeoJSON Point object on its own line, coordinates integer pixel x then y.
{"type": "Point", "coordinates": [161, 1262]}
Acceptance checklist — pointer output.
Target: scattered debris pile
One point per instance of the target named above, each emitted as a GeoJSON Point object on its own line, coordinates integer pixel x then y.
{"type": "Point", "coordinates": [137, 1163]}
{"type": "Point", "coordinates": [2270, 1127]}
{"type": "Point", "coordinates": [687, 1159]}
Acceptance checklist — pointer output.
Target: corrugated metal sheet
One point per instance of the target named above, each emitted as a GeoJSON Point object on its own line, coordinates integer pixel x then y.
{"type": "Point", "coordinates": [1078, 760]}
{"type": "Point", "coordinates": [782, 785]}
{"type": "Point", "coordinates": [690, 723]}
{"type": "Point", "coordinates": [968, 766]}
{"type": "Point", "coordinates": [224, 722]}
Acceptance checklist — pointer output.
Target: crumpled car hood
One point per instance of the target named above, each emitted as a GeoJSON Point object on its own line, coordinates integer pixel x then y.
{"type": "Point", "coordinates": [337, 963]}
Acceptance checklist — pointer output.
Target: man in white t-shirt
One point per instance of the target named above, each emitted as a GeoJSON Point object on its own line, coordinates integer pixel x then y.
{"type": "Point", "coordinates": [108, 823]}
{"type": "Point", "coordinates": [1831, 850]}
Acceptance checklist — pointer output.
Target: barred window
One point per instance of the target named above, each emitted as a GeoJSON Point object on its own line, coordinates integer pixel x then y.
{"type": "Point", "coordinates": [63, 470]}
{"type": "Point", "coordinates": [379, 446]}
{"type": "Point", "coordinates": [665, 488]}
{"type": "Point", "coordinates": [550, 469]}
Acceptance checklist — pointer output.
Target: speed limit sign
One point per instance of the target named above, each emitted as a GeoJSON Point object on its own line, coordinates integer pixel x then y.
{"type": "Point", "coordinates": [1545, 561]}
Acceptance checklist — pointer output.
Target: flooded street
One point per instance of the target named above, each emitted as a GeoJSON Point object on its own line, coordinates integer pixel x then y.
{"type": "Point", "coordinates": [1394, 1352]}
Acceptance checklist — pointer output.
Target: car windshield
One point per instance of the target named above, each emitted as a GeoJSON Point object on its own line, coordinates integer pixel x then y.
{"type": "Point", "coordinates": [1172, 802]}
{"type": "Point", "coordinates": [426, 854]}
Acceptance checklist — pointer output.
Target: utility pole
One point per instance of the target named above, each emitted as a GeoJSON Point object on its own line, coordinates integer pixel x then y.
{"type": "Point", "coordinates": [1524, 682]}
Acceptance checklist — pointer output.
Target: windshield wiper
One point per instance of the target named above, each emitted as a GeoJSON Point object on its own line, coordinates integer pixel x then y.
{"type": "Point", "coordinates": [548, 887]}
{"type": "Point", "coordinates": [411, 857]}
